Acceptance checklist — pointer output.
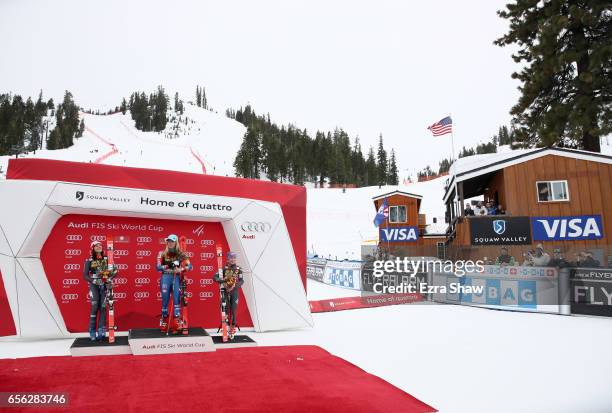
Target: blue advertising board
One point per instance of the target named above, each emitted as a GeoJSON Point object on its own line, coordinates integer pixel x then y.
{"type": "Point", "coordinates": [564, 228]}
{"type": "Point", "coordinates": [399, 234]}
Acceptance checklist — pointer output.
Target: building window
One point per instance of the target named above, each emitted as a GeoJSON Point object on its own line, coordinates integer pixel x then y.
{"type": "Point", "coordinates": [397, 214]}
{"type": "Point", "coordinates": [441, 250]}
{"type": "Point", "coordinates": [551, 191]}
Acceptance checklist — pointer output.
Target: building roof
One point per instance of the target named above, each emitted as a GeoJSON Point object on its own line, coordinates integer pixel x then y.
{"type": "Point", "coordinates": [376, 198]}
{"type": "Point", "coordinates": [473, 166]}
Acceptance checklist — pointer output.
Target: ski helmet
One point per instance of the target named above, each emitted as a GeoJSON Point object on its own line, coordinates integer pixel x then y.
{"type": "Point", "coordinates": [94, 243]}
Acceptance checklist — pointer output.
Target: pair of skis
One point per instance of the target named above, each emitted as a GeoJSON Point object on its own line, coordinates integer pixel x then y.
{"type": "Point", "coordinates": [110, 298]}
{"type": "Point", "coordinates": [224, 296]}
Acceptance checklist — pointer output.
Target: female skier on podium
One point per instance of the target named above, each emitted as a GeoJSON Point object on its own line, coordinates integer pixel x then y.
{"type": "Point", "coordinates": [171, 262]}
{"type": "Point", "coordinates": [233, 280]}
{"type": "Point", "coordinates": [98, 274]}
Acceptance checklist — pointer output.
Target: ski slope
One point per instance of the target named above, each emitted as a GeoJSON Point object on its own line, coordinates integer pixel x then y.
{"type": "Point", "coordinates": [455, 358]}
{"type": "Point", "coordinates": [209, 139]}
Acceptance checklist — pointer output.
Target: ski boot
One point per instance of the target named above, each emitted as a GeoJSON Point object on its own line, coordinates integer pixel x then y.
{"type": "Point", "coordinates": [177, 325]}
{"type": "Point", "coordinates": [163, 324]}
{"type": "Point", "coordinates": [101, 334]}
{"type": "Point", "coordinates": [232, 332]}
{"type": "Point", "coordinates": [92, 334]}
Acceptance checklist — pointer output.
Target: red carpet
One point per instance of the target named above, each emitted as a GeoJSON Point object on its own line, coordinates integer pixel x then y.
{"type": "Point", "coordinates": [273, 379]}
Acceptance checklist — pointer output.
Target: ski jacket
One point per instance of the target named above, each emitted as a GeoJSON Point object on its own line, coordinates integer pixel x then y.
{"type": "Point", "coordinates": [231, 271]}
{"type": "Point", "coordinates": [166, 264]}
{"type": "Point", "coordinates": [97, 269]}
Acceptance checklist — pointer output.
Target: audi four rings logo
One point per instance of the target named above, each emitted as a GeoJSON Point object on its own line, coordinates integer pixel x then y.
{"type": "Point", "coordinates": [189, 281]}
{"type": "Point", "coordinates": [69, 297]}
{"type": "Point", "coordinates": [119, 281]}
{"type": "Point", "coordinates": [205, 281]}
{"type": "Point", "coordinates": [141, 267]}
{"type": "Point", "coordinates": [158, 294]}
{"type": "Point", "coordinates": [74, 237]}
{"type": "Point", "coordinates": [206, 255]}
{"type": "Point", "coordinates": [188, 294]}
{"type": "Point", "coordinates": [71, 281]}
{"type": "Point", "coordinates": [206, 294]}
{"type": "Point", "coordinates": [206, 267]}
{"type": "Point", "coordinates": [121, 253]}
{"type": "Point", "coordinates": [251, 226]}
{"type": "Point", "coordinates": [144, 239]}
{"type": "Point", "coordinates": [98, 238]}
{"type": "Point", "coordinates": [121, 266]}
{"type": "Point", "coordinates": [189, 254]}
{"type": "Point", "coordinates": [142, 280]}
{"type": "Point", "coordinates": [141, 294]}
{"type": "Point", "coordinates": [119, 295]}
{"type": "Point", "coordinates": [143, 253]}
{"type": "Point", "coordinates": [189, 241]}
{"type": "Point", "coordinates": [72, 267]}
{"type": "Point", "coordinates": [72, 252]}
{"type": "Point", "coordinates": [206, 242]}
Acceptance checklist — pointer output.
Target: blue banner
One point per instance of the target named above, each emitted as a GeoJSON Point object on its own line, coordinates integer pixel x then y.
{"type": "Point", "coordinates": [399, 234]}
{"type": "Point", "coordinates": [577, 227]}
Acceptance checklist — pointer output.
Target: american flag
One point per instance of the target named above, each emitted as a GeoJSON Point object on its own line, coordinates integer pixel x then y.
{"type": "Point", "coordinates": [442, 127]}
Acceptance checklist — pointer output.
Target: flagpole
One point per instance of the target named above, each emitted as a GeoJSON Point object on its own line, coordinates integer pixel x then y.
{"type": "Point", "coordinates": [452, 140]}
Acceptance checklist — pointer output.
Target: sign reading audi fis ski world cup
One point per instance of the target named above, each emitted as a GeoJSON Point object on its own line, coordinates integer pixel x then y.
{"type": "Point", "coordinates": [500, 230]}
{"type": "Point", "coordinates": [567, 228]}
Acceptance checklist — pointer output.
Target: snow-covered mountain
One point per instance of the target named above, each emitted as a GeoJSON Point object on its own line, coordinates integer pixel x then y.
{"type": "Point", "coordinates": [198, 141]}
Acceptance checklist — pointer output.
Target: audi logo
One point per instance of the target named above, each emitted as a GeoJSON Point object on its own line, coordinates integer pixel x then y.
{"type": "Point", "coordinates": [141, 267]}
{"type": "Point", "coordinates": [143, 253]}
{"type": "Point", "coordinates": [206, 281]}
{"type": "Point", "coordinates": [72, 252]}
{"type": "Point", "coordinates": [188, 281]}
{"type": "Point", "coordinates": [206, 268]}
{"type": "Point", "coordinates": [251, 226]}
{"type": "Point", "coordinates": [71, 281]}
{"type": "Point", "coordinates": [98, 238]}
{"type": "Point", "coordinates": [206, 242]}
{"type": "Point", "coordinates": [119, 295]}
{"type": "Point", "coordinates": [141, 294]}
{"type": "Point", "coordinates": [158, 294]}
{"type": "Point", "coordinates": [120, 281]}
{"type": "Point", "coordinates": [206, 294]}
{"type": "Point", "coordinates": [189, 241]}
{"type": "Point", "coordinates": [188, 254]}
{"type": "Point", "coordinates": [121, 266]}
{"type": "Point", "coordinates": [206, 255]}
{"type": "Point", "coordinates": [69, 297]}
{"type": "Point", "coordinates": [74, 237]}
{"type": "Point", "coordinates": [121, 253]}
{"type": "Point", "coordinates": [142, 280]}
{"type": "Point", "coordinates": [144, 239]}
{"type": "Point", "coordinates": [162, 241]}
{"type": "Point", "coordinates": [69, 267]}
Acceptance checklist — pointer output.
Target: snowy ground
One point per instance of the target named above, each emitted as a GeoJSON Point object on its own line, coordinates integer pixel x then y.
{"type": "Point", "coordinates": [458, 359]}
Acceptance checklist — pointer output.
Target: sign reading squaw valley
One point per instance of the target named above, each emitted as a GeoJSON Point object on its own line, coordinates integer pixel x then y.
{"type": "Point", "coordinates": [567, 228]}
{"type": "Point", "coordinates": [399, 234]}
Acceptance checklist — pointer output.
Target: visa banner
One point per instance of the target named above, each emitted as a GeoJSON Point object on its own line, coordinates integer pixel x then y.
{"type": "Point", "coordinates": [399, 234]}
{"type": "Point", "coordinates": [577, 227]}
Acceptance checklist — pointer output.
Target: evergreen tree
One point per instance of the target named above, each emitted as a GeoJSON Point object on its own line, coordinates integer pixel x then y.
{"type": "Point", "coordinates": [198, 97]}
{"type": "Point", "coordinates": [123, 106]}
{"type": "Point", "coordinates": [204, 100]}
{"type": "Point", "coordinates": [444, 166]}
{"type": "Point", "coordinates": [381, 162]}
{"type": "Point", "coordinates": [371, 177]}
{"type": "Point", "coordinates": [248, 159]}
{"type": "Point", "coordinates": [566, 79]}
{"type": "Point", "coordinates": [393, 174]}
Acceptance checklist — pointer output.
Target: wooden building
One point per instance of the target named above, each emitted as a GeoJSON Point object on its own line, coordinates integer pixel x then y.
{"type": "Point", "coordinates": [566, 196]}
{"type": "Point", "coordinates": [405, 228]}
